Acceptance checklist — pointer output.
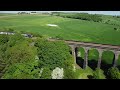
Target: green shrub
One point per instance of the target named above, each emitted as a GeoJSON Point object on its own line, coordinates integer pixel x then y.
{"type": "Point", "coordinates": [98, 74]}
{"type": "Point", "coordinates": [52, 54]}
{"type": "Point", "coordinates": [22, 71]}
{"type": "Point", "coordinates": [113, 73]}
{"type": "Point", "coordinates": [46, 73]}
{"type": "Point", "coordinates": [70, 74]}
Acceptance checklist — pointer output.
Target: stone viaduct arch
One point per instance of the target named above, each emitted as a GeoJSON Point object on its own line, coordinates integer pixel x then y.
{"type": "Point", "coordinates": [101, 48]}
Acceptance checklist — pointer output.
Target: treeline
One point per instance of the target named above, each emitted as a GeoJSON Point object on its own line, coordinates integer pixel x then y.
{"type": "Point", "coordinates": [82, 16]}
{"type": "Point", "coordinates": [116, 16]}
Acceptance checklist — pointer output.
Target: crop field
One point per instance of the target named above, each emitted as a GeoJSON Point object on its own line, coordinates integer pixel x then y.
{"type": "Point", "coordinates": [66, 28]}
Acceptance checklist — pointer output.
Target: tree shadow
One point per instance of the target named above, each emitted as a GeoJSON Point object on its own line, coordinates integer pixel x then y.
{"type": "Point", "coordinates": [92, 64]}
{"type": "Point", "coordinates": [90, 77]}
{"type": "Point", "coordinates": [118, 67]}
{"type": "Point", "coordinates": [80, 61]}
{"type": "Point", "coordinates": [105, 67]}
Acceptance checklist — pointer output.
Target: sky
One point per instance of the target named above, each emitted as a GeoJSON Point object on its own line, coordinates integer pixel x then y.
{"type": "Point", "coordinates": [91, 12]}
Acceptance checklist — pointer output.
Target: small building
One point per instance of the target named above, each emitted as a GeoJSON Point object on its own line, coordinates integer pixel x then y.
{"type": "Point", "coordinates": [33, 12]}
{"type": "Point", "coordinates": [27, 35]}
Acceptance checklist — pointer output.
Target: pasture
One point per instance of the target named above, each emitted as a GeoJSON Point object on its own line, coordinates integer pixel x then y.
{"type": "Point", "coordinates": [68, 29]}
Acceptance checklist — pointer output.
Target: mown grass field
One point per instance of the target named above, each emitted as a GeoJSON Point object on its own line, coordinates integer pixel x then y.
{"type": "Point", "coordinates": [68, 29]}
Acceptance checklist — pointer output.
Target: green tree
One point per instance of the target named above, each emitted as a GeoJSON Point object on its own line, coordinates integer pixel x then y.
{"type": "Point", "coordinates": [52, 54]}
{"type": "Point", "coordinates": [20, 53]}
{"type": "Point", "coordinates": [70, 74]}
{"type": "Point", "coordinates": [46, 73]}
{"type": "Point", "coordinates": [98, 74]}
{"type": "Point", "coordinates": [15, 39]}
{"type": "Point", "coordinates": [113, 73]}
{"type": "Point", "coordinates": [3, 64]}
{"type": "Point", "coordinates": [4, 39]}
{"type": "Point", "coordinates": [22, 71]}
{"type": "Point", "coordinates": [10, 30]}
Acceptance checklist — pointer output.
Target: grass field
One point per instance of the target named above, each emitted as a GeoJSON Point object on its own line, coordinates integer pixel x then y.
{"type": "Point", "coordinates": [68, 29]}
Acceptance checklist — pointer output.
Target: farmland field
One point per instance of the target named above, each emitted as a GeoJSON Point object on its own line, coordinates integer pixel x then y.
{"type": "Point", "coordinates": [68, 29]}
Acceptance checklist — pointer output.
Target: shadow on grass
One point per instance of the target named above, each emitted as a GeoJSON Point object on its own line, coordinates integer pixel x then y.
{"type": "Point", "coordinates": [105, 67]}
{"type": "Point", "coordinates": [80, 61]}
{"type": "Point", "coordinates": [92, 64]}
{"type": "Point", "coordinates": [90, 77]}
{"type": "Point", "coordinates": [118, 67]}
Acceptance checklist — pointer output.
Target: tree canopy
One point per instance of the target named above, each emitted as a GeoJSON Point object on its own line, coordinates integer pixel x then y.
{"type": "Point", "coordinates": [52, 54]}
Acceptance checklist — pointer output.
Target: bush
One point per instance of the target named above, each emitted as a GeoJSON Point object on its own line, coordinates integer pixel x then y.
{"type": "Point", "coordinates": [15, 39]}
{"type": "Point", "coordinates": [52, 54]}
{"type": "Point", "coordinates": [98, 74]}
{"type": "Point", "coordinates": [115, 28]}
{"type": "Point", "coordinates": [113, 73]}
{"type": "Point", "coordinates": [20, 53]}
{"type": "Point", "coordinates": [46, 73]}
{"type": "Point", "coordinates": [22, 71]}
{"type": "Point", "coordinates": [10, 30]}
{"type": "Point", "coordinates": [69, 74]}
{"type": "Point", "coordinates": [4, 39]}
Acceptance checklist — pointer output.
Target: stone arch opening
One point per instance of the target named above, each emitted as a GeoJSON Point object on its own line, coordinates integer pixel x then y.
{"type": "Point", "coordinates": [103, 59]}
{"type": "Point", "coordinates": [107, 60]}
{"type": "Point", "coordinates": [93, 56]}
{"type": "Point", "coordinates": [80, 56]}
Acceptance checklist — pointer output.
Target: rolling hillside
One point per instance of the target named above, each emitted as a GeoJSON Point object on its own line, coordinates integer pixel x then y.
{"type": "Point", "coordinates": [69, 29]}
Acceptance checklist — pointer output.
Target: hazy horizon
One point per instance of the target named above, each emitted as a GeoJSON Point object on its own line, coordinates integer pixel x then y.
{"type": "Point", "coordinates": [90, 12]}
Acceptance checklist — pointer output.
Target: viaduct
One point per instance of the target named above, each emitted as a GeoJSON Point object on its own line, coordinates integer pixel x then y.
{"type": "Point", "coordinates": [87, 46]}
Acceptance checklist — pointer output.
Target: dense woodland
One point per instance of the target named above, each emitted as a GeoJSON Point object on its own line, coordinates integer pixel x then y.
{"type": "Point", "coordinates": [25, 57]}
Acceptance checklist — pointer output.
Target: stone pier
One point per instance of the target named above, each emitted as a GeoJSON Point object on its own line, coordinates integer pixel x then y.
{"type": "Point", "coordinates": [86, 58]}
{"type": "Point", "coordinates": [100, 57]}
{"type": "Point", "coordinates": [73, 53]}
{"type": "Point", "coordinates": [116, 58]}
